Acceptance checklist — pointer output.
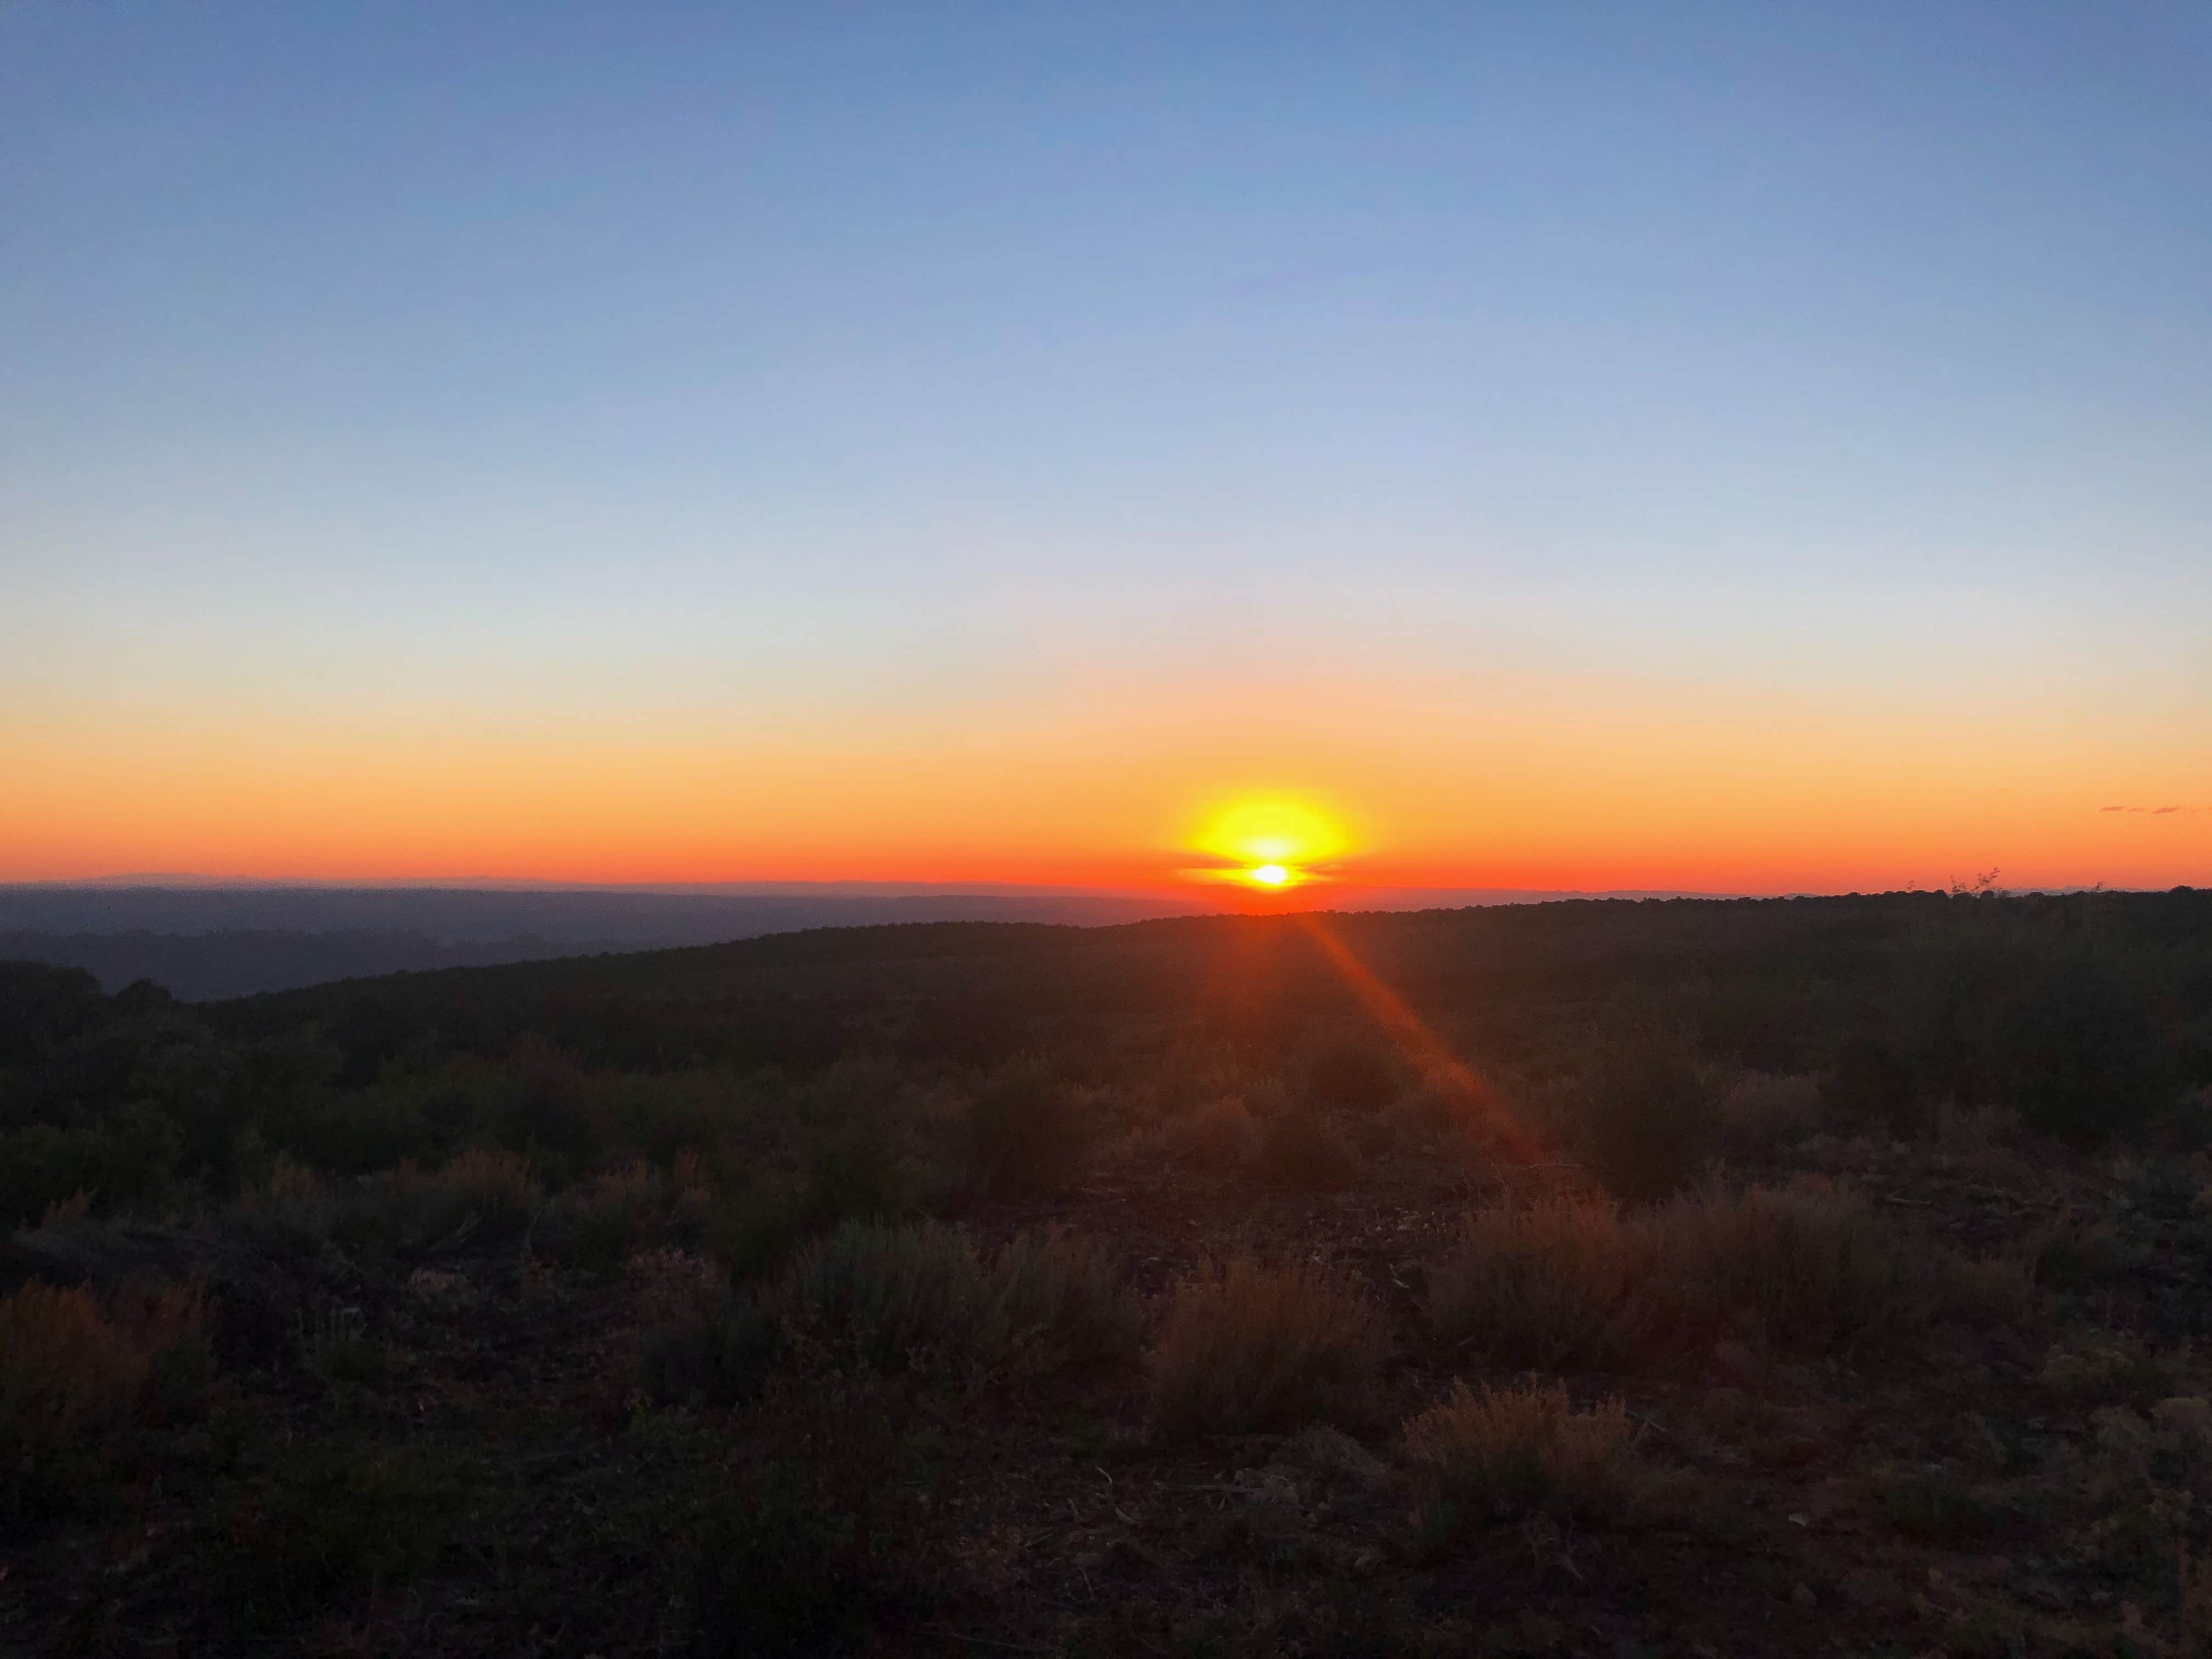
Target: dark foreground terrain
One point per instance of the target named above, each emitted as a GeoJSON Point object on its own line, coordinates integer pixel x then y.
{"type": "Point", "coordinates": [1686, 1277]}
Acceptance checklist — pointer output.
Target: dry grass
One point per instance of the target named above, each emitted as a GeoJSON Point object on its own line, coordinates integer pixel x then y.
{"type": "Point", "coordinates": [72, 1363]}
{"type": "Point", "coordinates": [496, 1187]}
{"type": "Point", "coordinates": [602, 1222]}
{"type": "Point", "coordinates": [1510, 1450]}
{"type": "Point", "coordinates": [1537, 1284]}
{"type": "Point", "coordinates": [1763, 1112]}
{"type": "Point", "coordinates": [295, 1209]}
{"type": "Point", "coordinates": [1247, 1347]}
{"type": "Point", "coordinates": [1066, 1298]}
{"type": "Point", "coordinates": [1303, 1148]}
{"type": "Point", "coordinates": [1570, 1281]}
{"type": "Point", "coordinates": [901, 1296]}
{"type": "Point", "coordinates": [893, 1297]}
{"type": "Point", "coordinates": [1220, 1137]}
{"type": "Point", "coordinates": [1800, 1267]}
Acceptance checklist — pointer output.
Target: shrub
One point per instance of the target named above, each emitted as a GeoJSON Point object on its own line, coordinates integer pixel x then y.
{"type": "Point", "coordinates": [123, 1158]}
{"type": "Point", "coordinates": [815, 1536]}
{"type": "Point", "coordinates": [2084, 1051]}
{"type": "Point", "coordinates": [332, 1518]}
{"type": "Point", "coordinates": [718, 1356]}
{"type": "Point", "coordinates": [1026, 1136]}
{"type": "Point", "coordinates": [1537, 1284]}
{"type": "Point", "coordinates": [337, 1348]}
{"type": "Point", "coordinates": [893, 1297]}
{"type": "Point", "coordinates": [1872, 1085]}
{"type": "Point", "coordinates": [402, 1211]}
{"type": "Point", "coordinates": [855, 1173]}
{"type": "Point", "coordinates": [1066, 1295]}
{"type": "Point", "coordinates": [1806, 1266]}
{"type": "Point", "coordinates": [1504, 1451]}
{"type": "Point", "coordinates": [1301, 1147]}
{"type": "Point", "coordinates": [294, 1210]}
{"type": "Point", "coordinates": [1217, 1138]}
{"type": "Point", "coordinates": [1761, 1113]}
{"type": "Point", "coordinates": [496, 1187]}
{"type": "Point", "coordinates": [602, 1222]}
{"type": "Point", "coordinates": [2106, 1365]}
{"type": "Point", "coordinates": [1247, 1347]}
{"type": "Point", "coordinates": [1351, 1077]}
{"type": "Point", "coordinates": [1649, 1123]}
{"type": "Point", "coordinates": [756, 1228]}
{"type": "Point", "coordinates": [74, 1365]}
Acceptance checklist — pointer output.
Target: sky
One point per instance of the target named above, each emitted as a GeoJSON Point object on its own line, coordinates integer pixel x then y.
{"type": "Point", "coordinates": [1752, 448]}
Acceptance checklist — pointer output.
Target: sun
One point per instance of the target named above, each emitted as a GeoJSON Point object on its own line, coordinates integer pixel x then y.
{"type": "Point", "coordinates": [1269, 844]}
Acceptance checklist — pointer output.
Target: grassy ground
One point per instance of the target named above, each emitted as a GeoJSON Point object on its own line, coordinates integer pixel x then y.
{"type": "Point", "coordinates": [465, 1448]}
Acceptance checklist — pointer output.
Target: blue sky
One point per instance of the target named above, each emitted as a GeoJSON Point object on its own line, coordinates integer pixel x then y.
{"type": "Point", "coordinates": [650, 363]}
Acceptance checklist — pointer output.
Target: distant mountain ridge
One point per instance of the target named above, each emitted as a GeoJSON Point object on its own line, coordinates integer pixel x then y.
{"type": "Point", "coordinates": [202, 943]}
{"type": "Point", "coordinates": [205, 942]}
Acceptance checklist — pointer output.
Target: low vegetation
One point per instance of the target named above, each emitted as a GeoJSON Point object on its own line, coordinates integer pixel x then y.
{"type": "Point", "coordinates": [1805, 1276]}
{"type": "Point", "coordinates": [1512, 1451]}
{"type": "Point", "coordinates": [1244, 1345]}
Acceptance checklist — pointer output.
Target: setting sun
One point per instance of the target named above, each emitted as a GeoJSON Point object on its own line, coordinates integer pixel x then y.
{"type": "Point", "coordinates": [1271, 843]}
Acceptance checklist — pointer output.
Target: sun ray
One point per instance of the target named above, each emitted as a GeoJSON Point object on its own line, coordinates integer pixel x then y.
{"type": "Point", "coordinates": [1421, 1045]}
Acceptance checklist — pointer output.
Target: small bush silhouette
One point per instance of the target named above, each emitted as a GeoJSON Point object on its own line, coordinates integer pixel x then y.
{"type": "Point", "coordinates": [1872, 1085]}
{"type": "Point", "coordinates": [1301, 1147]}
{"type": "Point", "coordinates": [74, 1367]}
{"type": "Point", "coordinates": [2084, 1051]}
{"type": "Point", "coordinates": [292, 1211]}
{"type": "Point", "coordinates": [1806, 1265]}
{"type": "Point", "coordinates": [1351, 1077]}
{"type": "Point", "coordinates": [1537, 1284]}
{"type": "Point", "coordinates": [338, 1348]}
{"type": "Point", "coordinates": [602, 1222]}
{"type": "Point", "coordinates": [1509, 1451]}
{"type": "Point", "coordinates": [1763, 1112]}
{"type": "Point", "coordinates": [896, 1298]}
{"type": "Point", "coordinates": [1247, 1347]}
{"type": "Point", "coordinates": [1026, 1136]}
{"type": "Point", "coordinates": [816, 1537]}
{"type": "Point", "coordinates": [495, 1187]}
{"type": "Point", "coordinates": [893, 1297]}
{"type": "Point", "coordinates": [718, 1355]}
{"type": "Point", "coordinates": [1068, 1296]}
{"type": "Point", "coordinates": [1649, 1121]}
{"type": "Point", "coordinates": [73, 1363]}
{"type": "Point", "coordinates": [1220, 1137]}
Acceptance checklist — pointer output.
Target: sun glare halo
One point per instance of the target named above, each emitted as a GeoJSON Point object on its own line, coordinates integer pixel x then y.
{"type": "Point", "coordinates": [1267, 844]}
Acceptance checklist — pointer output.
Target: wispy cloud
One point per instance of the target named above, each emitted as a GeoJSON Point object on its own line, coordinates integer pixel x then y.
{"type": "Point", "coordinates": [2153, 811]}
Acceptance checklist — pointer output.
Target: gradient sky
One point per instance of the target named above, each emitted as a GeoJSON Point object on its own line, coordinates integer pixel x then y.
{"type": "Point", "coordinates": [1747, 448]}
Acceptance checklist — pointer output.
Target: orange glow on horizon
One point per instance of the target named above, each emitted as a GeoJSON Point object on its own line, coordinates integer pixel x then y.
{"type": "Point", "coordinates": [1169, 789]}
